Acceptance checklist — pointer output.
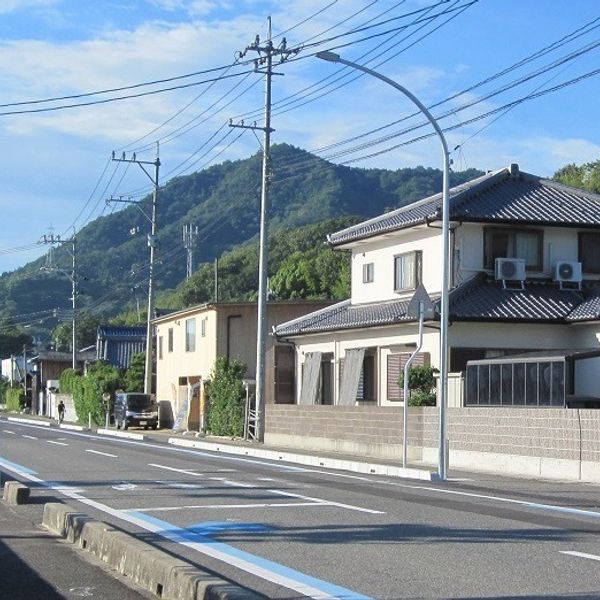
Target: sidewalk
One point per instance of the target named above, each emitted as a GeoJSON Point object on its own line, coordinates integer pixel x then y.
{"type": "Point", "coordinates": [36, 564]}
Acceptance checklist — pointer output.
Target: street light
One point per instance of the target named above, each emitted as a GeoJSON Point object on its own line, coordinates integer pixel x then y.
{"type": "Point", "coordinates": [442, 457]}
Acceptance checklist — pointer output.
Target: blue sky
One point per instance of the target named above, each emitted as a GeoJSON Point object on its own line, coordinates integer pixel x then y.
{"type": "Point", "coordinates": [56, 169]}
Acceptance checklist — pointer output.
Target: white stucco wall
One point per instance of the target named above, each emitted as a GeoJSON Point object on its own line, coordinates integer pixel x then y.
{"type": "Point", "coordinates": [381, 253]}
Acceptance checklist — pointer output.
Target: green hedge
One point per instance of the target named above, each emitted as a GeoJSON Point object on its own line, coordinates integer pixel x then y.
{"type": "Point", "coordinates": [15, 399]}
{"type": "Point", "coordinates": [226, 396]}
{"type": "Point", "coordinates": [89, 389]}
{"type": "Point", "coordinates": [67, 380]}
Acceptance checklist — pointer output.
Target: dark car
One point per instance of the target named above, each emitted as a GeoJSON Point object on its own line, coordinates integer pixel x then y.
{"type": "Point", "coordinates": [135, 409]}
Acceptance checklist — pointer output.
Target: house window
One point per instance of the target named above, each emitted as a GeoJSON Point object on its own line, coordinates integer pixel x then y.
{"type": "Point", "coordinates": [407, 271]}
{"type": "Point", "coordinates": [203, 328]}
{"type": "Point", "coordinates": [589, 252]}
{"type": "Point", "coordinates": [160, 347]}
{"type": "Point", "coordinates": [514, 243]}
{"type": "Point", "coordinates": [170, 340]}
{"type": "Point", "coordinates": [368, 273]}
{"type": "Point", "coordinates": [190, 335]}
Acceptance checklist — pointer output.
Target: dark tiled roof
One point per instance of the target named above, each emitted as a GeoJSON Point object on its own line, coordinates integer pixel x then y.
{"type": "Point", "coordinates": [504, 196]}
{"type": "Point", "coordinates": [110, 331]}
{"type": "Point", "coordinates": [347, 316]}
{"type": "Point", "coordinates": [480, 299]}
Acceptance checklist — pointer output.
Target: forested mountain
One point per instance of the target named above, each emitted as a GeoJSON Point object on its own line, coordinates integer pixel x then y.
{"type": "Point", "coordinates": [223, 201]}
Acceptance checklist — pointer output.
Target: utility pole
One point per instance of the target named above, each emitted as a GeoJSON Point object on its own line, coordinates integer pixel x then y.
{"type": "Point", "coordinates": [152, 244]}
{"type": "Point", "coordinates": [52, 240]}
{"type": "Point", "coordinates": [190, 233]}
{"type": "Point", "coordinates": [264, 65]}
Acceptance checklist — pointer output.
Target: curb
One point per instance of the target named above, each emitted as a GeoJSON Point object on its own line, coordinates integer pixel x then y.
{"type": "Point", "coordinates": [30, 421]}
{"type": "Point", "coordinates": [313, 461]}
{"type": "Point", "coordinates": [73, 427]}
{"type": "Point", "coordinates": [121, 434]}
{"type": "Point", "coordinates": [149, 567]}
{"type": "Point", "coordinates": [15, 493]}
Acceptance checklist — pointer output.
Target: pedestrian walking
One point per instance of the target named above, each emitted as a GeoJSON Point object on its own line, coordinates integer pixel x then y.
{"type": "Point", "coordinates": [61, 411]}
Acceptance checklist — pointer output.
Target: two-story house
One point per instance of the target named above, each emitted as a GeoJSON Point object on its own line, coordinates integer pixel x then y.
{"type": "Point", "coordinates": [189, 341]}
{"type": "Point", "coordinates": [525, 276]}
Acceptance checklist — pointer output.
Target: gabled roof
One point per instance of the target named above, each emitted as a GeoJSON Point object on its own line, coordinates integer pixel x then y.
{"type": "Point", "coordinates": [121, 332]}
{"type": "Point", "coordinates": [345, 315]}
{"type": "Point", "coordinates": [507, 196]}
{"type": "Point", "coordinates": [479, 299]}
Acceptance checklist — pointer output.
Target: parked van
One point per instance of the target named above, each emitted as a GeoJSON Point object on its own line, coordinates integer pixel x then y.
{"type": "Point", "coordinates": [132, 408]}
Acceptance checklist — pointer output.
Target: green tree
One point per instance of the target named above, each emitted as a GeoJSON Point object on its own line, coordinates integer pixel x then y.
{"type": "Point", "coordinates": [133, 379]}
{"type": "Point", "coordinates": [12, 340]}
{"type": "Point", "coordinates": [585, 177]}
{"type": "Point", "coordinates": [89, 389]}
{"type": "Point", "coordinates": [86, 332]}
{"type": "Point", "coordinates": [421, 385]}
{"type": "Point", "coordinates": [226, 396]}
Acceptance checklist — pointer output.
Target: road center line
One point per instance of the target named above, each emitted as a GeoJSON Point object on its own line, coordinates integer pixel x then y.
{"type": "Point", "coordinates": [322, 501]}
{"type": "Point", "coordinates": [102, 453]}
{"type": "Point", "coordinates": [221, 506]}
{"type": "Point", "coordinates": [233, 483]}
{"type": "Point", "coordinates": [11, 432]}
{"type": "Point", "coordinates": [580, 554]}
{"type": "Point", "coordinates": [57, 443]}
{"type": "Point", "coordinates": [184, 471]}
{"type": "Point", "coordinates": [29, 437]}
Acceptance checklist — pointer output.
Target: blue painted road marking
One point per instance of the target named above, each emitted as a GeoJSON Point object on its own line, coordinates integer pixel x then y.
{"type": "Point", "coordinates": [179, 534]}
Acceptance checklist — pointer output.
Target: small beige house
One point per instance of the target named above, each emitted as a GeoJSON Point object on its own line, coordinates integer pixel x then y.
{"type": "Point", "coordinates": [189, 341]}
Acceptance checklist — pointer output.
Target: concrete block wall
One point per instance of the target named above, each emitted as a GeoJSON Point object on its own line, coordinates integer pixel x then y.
{"type": "Point", "coordinates": [545, 442]}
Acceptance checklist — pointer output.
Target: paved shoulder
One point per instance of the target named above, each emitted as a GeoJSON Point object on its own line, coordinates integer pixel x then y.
{"type": "Point", "coordinates": [37, 564]}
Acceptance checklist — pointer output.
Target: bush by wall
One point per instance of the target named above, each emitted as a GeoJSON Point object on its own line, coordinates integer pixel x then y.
{"type": "Point", "coordinates": [67, 379]}
{"type": "Point", "coordinates": [88, 391]}
{"type": "Point", "coordinates": [226, 396]}
{"type": "Point", "coordinates": [421, 385]}
{"type": "Point", "coordinates": [15, 399]}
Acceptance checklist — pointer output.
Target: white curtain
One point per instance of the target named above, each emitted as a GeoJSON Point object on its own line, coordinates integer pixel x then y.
{"type": "Point", "coordinates": [310, 378]}
{"type": "Point", "coordinates": [353, 364]}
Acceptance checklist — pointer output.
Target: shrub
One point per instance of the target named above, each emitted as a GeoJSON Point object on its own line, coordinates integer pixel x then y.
{"type": "Point", "coordinates": [3, 388]}
{"type": "Point", "coordinates": [89, 389]}
{"type": "Point", "coordinates": [421, 385]}
{"type": "Point", "coordinates": [134, 376]}
{"type": "Point", "coordinates": [66, 381]}
{"type": "Point", "coordinates": [226, 396]}
{"type": "Point", "coordinates": [15, 399]}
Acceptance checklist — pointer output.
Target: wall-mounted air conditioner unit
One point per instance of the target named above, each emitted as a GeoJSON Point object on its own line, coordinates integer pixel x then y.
{"type": "Point", "coordinates": [510, 269]}
{"type": "Point", "coordinates": [566, 271]}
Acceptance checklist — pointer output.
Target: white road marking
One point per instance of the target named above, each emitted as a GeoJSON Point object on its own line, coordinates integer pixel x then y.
{"type": "Point", "coordinates": [11, 432]}
{"type": "Point", "coordinates": [233, 483]}
{"type": "Point", "coordinates": [29, 437]}
{"type": "Point", "coordinates": [221, 506]}
{"type": "Point", "coordinates": [324, 502]}
{"type": "Point", "coordinates": [180, 485]}
{"type": "Point", "coordinates": [57, 443]}
{"type": "Point", "coordinates": [580, 554]}
{"type": "Point", "coordinates": [124, 486]}
{"type": "Point", "coordinates": [102, 453]}
{"type": "Point", "coordinates": [184, 471]}
{"type": "Point", "coordinates": [237, 559]}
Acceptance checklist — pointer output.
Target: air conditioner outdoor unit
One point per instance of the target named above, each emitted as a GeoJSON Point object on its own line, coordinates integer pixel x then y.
{"type": "Point", "coordinates": [566, 271]}
{"type": "Point", "coordinates": [510, 269]}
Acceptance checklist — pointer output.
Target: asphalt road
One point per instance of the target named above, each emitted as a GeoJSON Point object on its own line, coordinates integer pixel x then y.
{"type": "Point", "coordinates": [293, 532]}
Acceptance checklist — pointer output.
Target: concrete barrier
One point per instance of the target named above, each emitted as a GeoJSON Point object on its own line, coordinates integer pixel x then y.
{"type": "Point", "coordinates": [30, 421]}
{"type": "Point", "coordinates": [121, 434]}
{"type": "Point", "coordinates": [15, 493]}
{"type": "Point", "coordinates": [149, 567]}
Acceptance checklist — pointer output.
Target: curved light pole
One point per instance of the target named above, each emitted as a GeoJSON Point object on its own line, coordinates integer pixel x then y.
{"type": "Point", "coordinates": [442, 457]}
